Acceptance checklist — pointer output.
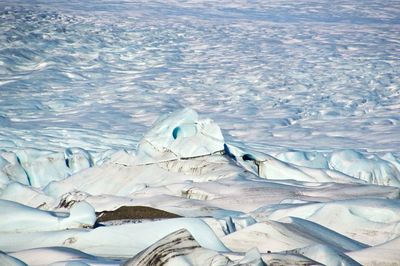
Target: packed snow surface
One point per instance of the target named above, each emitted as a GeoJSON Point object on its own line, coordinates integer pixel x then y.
{"type": "Point", "coordinates": [271, 127]}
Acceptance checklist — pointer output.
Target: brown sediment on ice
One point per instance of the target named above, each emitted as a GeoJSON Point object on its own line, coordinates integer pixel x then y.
{"type": "Point", "coordinates": [134, 212]}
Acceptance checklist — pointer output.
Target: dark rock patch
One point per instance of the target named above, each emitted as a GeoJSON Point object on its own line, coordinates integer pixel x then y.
{"type": "Point", "coordinates": [134, 213]}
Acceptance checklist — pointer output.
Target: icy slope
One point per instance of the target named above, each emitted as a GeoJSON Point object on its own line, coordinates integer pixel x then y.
{"type": "Point", "coordinates": [293, 158]}
{"type": "Point", "coordinates": [380, 218]}
{"type": "Point", "coordinates": [180, 248]}
{"type": "Point", "coordinates": [19, 218]}
{"type": "Point", "coordinates": [247, 199]}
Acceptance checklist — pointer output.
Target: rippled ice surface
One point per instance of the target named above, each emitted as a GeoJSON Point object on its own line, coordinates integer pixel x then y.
{"type": "Point", "coordinates": [310, 75]}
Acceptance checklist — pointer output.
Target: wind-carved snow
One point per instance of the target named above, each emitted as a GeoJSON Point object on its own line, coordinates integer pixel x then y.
{"type": "Point", "coordinates": [293, 158]}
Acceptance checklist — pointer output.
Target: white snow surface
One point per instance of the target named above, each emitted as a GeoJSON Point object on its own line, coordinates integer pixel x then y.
{"type": "Point", "coordinates": [278, 75]}
{"type": "Point", "coordinates": [272, 127]}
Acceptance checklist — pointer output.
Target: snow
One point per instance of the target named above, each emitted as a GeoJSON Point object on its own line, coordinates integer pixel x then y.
{"type": "Point", "coordinates": [60, 256]}
{"type": "Point", "coordinates": [123, 240]}
{"type": "Point", "coordinates": [254, 198]}
{"type": "Point", "coordinates": [384, 254]}
{"type": "Point", "coordinates": [180, 135]}
{"type": "Point", "coordinates": [326, 255]}
{"type": "Point", "coordinates": [379, 217]}
{"type": "Point", "coordinates": [271, 127]}
{"type": "Point", "coordinates": [292, 233]}
{"type": "Point", "coordinates": [257, 201]}
{"type": "Point", "coordinates": [180, 248]}
{"type": "Point", "coordinates": [19, 218]}
{"type": "Point", "coordinates": [10, 260]}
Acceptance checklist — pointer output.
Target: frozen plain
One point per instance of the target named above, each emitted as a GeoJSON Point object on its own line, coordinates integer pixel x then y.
{"type": "Point", "coordinates": [299, 164]}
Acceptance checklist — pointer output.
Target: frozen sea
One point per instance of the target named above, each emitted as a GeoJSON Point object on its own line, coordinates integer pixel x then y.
{"type": "Point", "coordinates": [297, 130]}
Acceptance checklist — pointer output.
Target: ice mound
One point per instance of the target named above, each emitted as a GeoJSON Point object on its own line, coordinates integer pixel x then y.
{"type": "Point", "coordinates": [38, 167]}
{"type": "Point", "coordinates": [180, 248]}
{"type": "Point", "coordinates": [374, 170]}
{"type": "Point", "coordinates": [287, 234]}
{"type": "Point", "coordinates": [307, 159]}
{"type": "Point", "coordinates": [287, 259]}
{"type": "Point", "coordinates": [32, 196]}
{"type": "Point", "coordinates": [15, 217]}
{"type": "Point", "coordinates": [176, 248]}
{"type": "Point", "coordinates": [124, 240]}
{"type": "Point", "coordinates": [326, 255]}
{"type": "Point", "coordinates": [60, 256]}
{"type": "Point", "coordinates": [126, 169]}
{"type": "Point", "coordinates": [383, 254]}
{"type": "Point", "coordinates": [267, 166]}
{"type": "Point", "coordinates": [11, 169]}
{"type": "Point", "coordinates": [369, 221]}
{"type": "Point", "coordinates": [306, 91]}
{"type": "Point", "coordinates": [180, 135]}
{"type": "Point", "coordinates": [8, 260]}
{"type": "Point", "coordinates": [298, 204]}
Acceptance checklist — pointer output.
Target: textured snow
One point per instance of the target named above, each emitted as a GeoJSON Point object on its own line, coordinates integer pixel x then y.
{"type": "Point", "coordinates": [288, 74]}
{"type": "Point", "coordinates": [272, 127]}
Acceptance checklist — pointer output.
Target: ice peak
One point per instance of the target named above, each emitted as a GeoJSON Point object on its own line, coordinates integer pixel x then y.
{"type": "Point", "coordinates": [181, 134]}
